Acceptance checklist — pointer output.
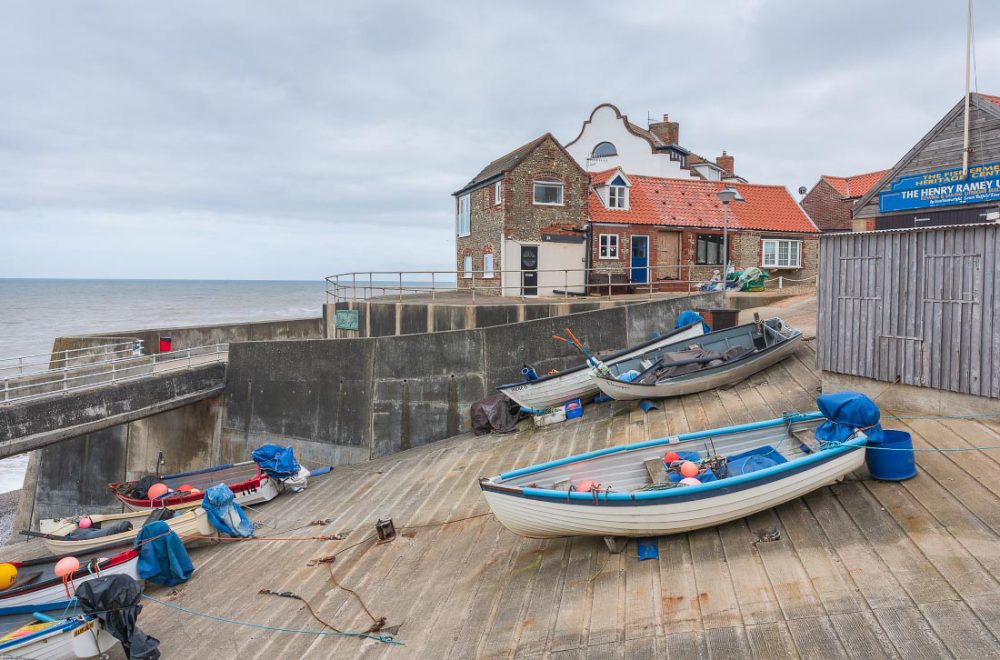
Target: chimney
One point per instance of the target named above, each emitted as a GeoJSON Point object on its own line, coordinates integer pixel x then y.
{"type": "Point", "coordinates": [726, 162]}
{"type": "Point", "coordinates": [668, 131]}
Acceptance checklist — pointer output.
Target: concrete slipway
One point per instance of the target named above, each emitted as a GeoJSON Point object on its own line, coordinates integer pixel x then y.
{"type": "Point", "coordinates": [862, 569]}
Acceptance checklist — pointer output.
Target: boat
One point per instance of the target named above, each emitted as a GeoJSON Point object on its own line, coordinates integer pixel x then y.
{"type": "Point", "coordinates": [37, 582]}
{"type": "Point", "coordinates": [52, 631]}
{"type": "Point", "coordinates": [190, 525]}
{"type": "Point", "coordinates": [556, 389]}
{"type": "Point", "coordinates": [717, 359]}
{"type": "Point", "coordinates": [628, 490]}
{"type": "Point", "coordinates": [248, 482]}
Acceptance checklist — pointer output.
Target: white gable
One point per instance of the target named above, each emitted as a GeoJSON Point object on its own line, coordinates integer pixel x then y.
{"type": "Point", "coordinates": [634, 153]}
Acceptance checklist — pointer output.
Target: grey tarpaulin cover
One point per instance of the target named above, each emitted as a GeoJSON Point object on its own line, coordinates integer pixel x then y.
{"type": "Point", "coordinates": [115, 601]}
{"type": "Point", "coordinates": [496, 413]}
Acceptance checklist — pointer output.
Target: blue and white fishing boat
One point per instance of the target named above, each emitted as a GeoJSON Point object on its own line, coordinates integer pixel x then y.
{"type": "Point", "coordinates": [630, 491]}
{"type": "Point", "coordinates": [52, 631]}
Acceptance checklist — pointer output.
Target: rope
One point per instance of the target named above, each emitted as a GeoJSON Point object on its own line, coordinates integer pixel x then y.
{"type": "Point", "coordinates": [271, 538]}
{"type": "Point", "coordinates": [385, 639]}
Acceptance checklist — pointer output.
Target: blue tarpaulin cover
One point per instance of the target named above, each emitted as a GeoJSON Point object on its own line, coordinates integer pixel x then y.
{"type": "Point", "coordinates": [277, 462]}
{"type": "Point", "coordinates": [845, 412]}
{"type": "Point", "coordinates": [687, 317]}
{"type": "Point", "coordinates": [164, 559]}
{"type": "Point", "coordinates": [224, 513]}
{"type": "Point", "coordinates": [648, 548]}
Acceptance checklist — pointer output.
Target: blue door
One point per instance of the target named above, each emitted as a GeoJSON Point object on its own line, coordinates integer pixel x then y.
{"type": "Point", "coordinates": [640, 259]}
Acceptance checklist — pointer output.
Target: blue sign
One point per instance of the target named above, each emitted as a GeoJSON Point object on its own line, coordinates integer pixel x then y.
{"type": "Point", "coordinates": [346, 319]}
{"type": "Point", "coordinates": [942, 188]}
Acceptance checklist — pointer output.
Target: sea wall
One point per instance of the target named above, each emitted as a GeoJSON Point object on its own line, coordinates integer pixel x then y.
{"type": "Point", "coordinates": [348, 400]}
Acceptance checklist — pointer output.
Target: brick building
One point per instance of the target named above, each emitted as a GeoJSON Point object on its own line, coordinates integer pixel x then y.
{"type": "Point", "coordinates": [830, 203]}
{"type": "Point", "coordinates": [654, 229]}
{"type": "Point", "coordinates": [520, 223]}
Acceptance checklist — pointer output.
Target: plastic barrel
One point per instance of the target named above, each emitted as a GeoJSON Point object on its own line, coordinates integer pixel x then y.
{"type": "Point", "coordinates": [895, 462]}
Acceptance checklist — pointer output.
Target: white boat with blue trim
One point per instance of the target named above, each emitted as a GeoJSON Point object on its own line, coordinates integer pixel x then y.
{"type": "Point", "coordinates": [630, 491]}
{"type": "Point", "coordinates": [52, 631]}
{"type": "Point", "coordinates": [545, 392]}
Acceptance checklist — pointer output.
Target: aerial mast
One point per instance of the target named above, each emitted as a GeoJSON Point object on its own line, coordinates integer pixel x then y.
{"type": "Point", "coordinates": [968, 60]}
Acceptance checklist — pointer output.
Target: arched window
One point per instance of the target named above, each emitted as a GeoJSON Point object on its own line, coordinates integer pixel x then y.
{"type": "Point", "coordinates": [603, 150]}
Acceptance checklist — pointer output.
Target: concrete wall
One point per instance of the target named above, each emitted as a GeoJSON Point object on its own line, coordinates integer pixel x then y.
{"type": "Point", "coordinates": [346, 400]}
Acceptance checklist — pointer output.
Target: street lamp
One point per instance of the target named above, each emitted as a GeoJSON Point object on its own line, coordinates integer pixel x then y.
{"type": "Point", "coordinates": [725, 196]}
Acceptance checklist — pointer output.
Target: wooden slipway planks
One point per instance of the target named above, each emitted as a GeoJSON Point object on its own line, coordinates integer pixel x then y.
{"type": "Point", "coordinates": [862, 569]}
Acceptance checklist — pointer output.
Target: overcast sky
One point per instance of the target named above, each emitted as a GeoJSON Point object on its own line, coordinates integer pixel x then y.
{"type": "Point", "coordinates": [266, 140]}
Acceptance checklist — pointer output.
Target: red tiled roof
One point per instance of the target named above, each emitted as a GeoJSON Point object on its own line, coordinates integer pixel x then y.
{"type": "Point", "coordinates": [854, 186]}
{"type": "Point", "coordinates": [992, 99]}
{"type": "Point", "coordinates": [692, 203]}
{"type": "Point", "coordinates": [597, 178]}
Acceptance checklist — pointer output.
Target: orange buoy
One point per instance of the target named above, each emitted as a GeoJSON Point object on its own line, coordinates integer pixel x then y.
{"type": "Point", "coordinates": [156, 490]}
{"type": "Point", "coordinates": [670, 457]}
{"type": "Point", "coordinates": [585, 486]}
{"type": "Point", "coordinates": [689, 469]}
{"type": "Point", "coordinates": [188, 488]}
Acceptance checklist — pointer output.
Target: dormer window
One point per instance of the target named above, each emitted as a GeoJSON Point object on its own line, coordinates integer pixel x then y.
{"type": "Point", "coordinates": [604, 150]}
{"type": "Point", "coordinates": [618, 193]}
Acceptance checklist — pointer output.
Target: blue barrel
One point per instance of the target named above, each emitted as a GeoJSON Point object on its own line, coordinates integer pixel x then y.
{"type": "Point", "coordinates": [895, 462]}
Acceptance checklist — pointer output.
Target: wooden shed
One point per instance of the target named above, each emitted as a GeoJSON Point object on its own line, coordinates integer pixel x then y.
{"type": "Point", "coordinates": [916, 307]}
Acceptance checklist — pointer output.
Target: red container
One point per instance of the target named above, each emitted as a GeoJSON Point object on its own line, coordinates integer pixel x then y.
{"type": "Point", "coordinates": [165, 344]}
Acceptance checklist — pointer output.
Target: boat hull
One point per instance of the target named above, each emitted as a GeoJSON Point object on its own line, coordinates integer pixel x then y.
{"type": "Point", "coordinates": [742, 370]}
{"type": "Point", "coordinates": [86, 639]}
{"type": "Point", "coordinates": [577, 383]}
{"type": "Point", "coordinates": [249, 485]}
{"type": "Point", "coordinates": [190, 526]}
{"type": "Point", "coordinates": [47, 593]}
{"type": "Point", "coordinates": [549, 518]}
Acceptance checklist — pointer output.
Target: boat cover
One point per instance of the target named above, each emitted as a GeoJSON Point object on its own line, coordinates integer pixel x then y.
{"type": "Point", "coordinates": [845, 412]}
{"type": "Point", "coordinates": [224, 513]}
{"type": "Point", "coordinates": [112, 528]}
{"type": "Point", "coordinates": [495, 414]}
{"type": "Point", "coordinates": [278, 462]}
{"type": "Point", "coordinates": [162, 556]}
{"type": "Point", "coordinates": [687, 317]}
{"type": "Point", "coordinates": [114, 600]}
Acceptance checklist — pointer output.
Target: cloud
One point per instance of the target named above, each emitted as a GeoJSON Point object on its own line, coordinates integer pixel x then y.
{"type": "Point", "coordinates": [255, 140]}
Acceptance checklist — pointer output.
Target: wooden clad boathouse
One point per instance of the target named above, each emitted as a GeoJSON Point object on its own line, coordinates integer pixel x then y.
{"type": "Point", "coordinates": [915, 307]}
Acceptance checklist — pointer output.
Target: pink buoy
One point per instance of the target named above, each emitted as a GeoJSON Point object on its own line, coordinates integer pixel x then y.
{"type": "Point", "coordinates": [584, 486]}
{"type": "Point", "coordinates": [85, 523]}
{"type": "Point", "coordinates": [690, 481]}
{"type": "Point", "coordinates": [156, 490]}
{"type": "Point", "coordinates": [67, 566]}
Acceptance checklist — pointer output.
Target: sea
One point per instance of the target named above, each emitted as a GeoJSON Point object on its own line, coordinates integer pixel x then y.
{"type": "Point", "coordinates": [33, 312]}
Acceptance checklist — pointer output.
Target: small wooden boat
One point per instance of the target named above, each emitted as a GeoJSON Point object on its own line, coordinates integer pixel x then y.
{"type": "Point", "coordinates": [190, 525]}
{"type": "Point", "coordinates": [248, 483]}
{"type": "Point", "coordinates": [37, 582]}
{"type": "Point", "coordinates": [713, 360]}
{"type": "Point", "coordinates": [629, 492]}
{"type": "Point", "coordinates": [556, 389]}
{"type": "Point", "coordinates": [52, 631]}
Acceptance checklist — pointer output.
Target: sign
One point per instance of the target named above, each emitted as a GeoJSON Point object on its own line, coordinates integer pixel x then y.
{"type": "Point", "coordinates": [347, 319]}
{"type": "Point", "coordinates": [942, 188]}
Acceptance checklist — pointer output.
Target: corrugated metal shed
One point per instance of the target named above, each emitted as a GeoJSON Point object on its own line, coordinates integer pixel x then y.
{"type": "Point", "coordinates": [913, 306]}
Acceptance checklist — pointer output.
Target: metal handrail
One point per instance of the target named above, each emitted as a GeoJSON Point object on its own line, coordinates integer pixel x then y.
{"type": "Point", "coordinates": [65, 357]}
{"type": "Point", "coordinates": [112, 371]}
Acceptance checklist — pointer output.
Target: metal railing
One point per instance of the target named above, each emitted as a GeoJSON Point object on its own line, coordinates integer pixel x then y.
{"type": "Point", "coordinates": [558, 282]}
{"type": "Point", "coordinates": [110, 371]}
{"type": "Point", "coordinates": [68, 358]}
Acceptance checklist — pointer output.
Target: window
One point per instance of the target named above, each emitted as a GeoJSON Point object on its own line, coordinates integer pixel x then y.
{"type": "Point", "coordinates": [467, 266]}
{"type": "Point", "coordinates": [488, 266]}
{"type": "Point", "coordinates": [607, 246]}
{"type": "Point", "coordinates": [498, 192]}
{"type": "Point", "coordinates": [548, 193]}
{"type": "Point", "coordinates": [464, 218]}
{"type": "Point", "coordinates": [617, 197]}
{"type": "Point", "coordinates": [709, 250]}
{"type": "Point", "coordinates": [777, 253]}
{"type": "Point", "coordinates": [604, 150]}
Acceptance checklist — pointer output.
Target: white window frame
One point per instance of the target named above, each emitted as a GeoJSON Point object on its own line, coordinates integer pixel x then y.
{"type": "Point", "coordinates": [775, 263]}
{"type": "Point", "coordinates": [534, 193]}
{"type": "Point", "coordinates": [487, 266]}
{"type": "Point", "coordinates": [498, 193]}
{"type": "Point", "coordinates": [607, 250]}
{"type": "Point", "coordinates": [464, 215]}
{"type": "Point", "coordinates": [467, 267]}
{"type": "Point", "coordinates": [618, 197]}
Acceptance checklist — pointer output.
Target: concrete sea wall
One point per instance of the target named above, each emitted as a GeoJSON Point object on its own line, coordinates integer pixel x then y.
{"type": "Point", "coordinates": [348, 400]}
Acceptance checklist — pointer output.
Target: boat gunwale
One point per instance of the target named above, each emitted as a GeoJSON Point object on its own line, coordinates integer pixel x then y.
{"type": "Point", "coordinates": [162, 503]}
{"type": "Point", "coordinates": [606, 358]}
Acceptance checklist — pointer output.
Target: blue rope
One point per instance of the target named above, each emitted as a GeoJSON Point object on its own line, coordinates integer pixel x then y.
{"type": "Point", "coordinates": [385, 639]}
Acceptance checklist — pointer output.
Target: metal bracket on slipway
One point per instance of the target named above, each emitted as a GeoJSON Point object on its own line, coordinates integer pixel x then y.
{"type": "Point", "coordinates": [616, 544]}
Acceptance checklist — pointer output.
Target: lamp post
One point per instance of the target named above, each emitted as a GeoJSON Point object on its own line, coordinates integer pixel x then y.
{"type": "Point", "coordinates": [725, 196]}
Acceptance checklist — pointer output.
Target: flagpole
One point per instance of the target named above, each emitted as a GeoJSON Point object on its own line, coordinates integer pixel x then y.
{"type": "Point", "coordinates": [968, 60]}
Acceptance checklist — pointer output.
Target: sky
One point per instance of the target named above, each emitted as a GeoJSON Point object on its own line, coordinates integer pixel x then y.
{"type": "Point", "coordinates": [262, 140]}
